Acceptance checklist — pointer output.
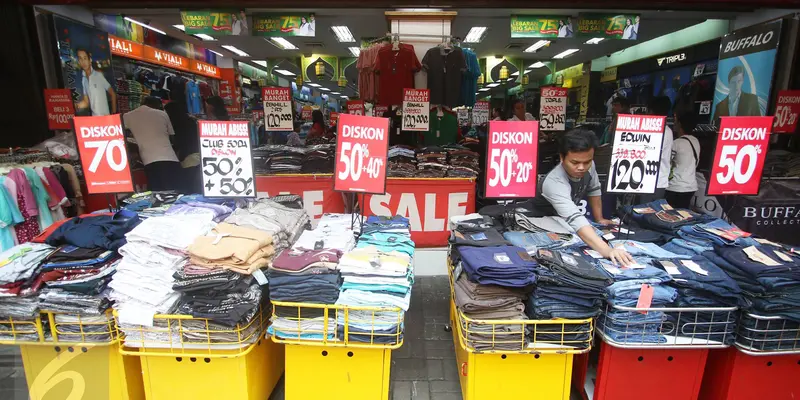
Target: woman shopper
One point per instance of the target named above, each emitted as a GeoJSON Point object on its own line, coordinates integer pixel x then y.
{"type": "Point", "coordinates": [685, 158]}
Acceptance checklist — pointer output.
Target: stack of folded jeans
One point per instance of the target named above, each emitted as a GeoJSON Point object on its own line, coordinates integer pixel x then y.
{"type": "Point", "coordinates": [567, 286]}
{"type": "Point", "coordinates": [687, 248]}
{"type": "Point", "coordinates": [507, 266]}
{"type": "Point", "coordinates": [632, 231]}
{"type": "Point", "coordinates": [402, 162]}
{"type": "Point", "coordinates": [319, 159]}
{"type": "Point", "coordinates": [767, 334]}
{"type": "Point", "coordinates": [532, 242]}
{"type": "Point", "coordinates": [278, 159]}
{"type": "Point", "coordinates": [716, 232]}
{"type": "Point", "coordinates": [660, 216]}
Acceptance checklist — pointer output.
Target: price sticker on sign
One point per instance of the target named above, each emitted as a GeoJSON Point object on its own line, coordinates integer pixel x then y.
{"type": "Point", "coordinates": [480, 113]}
{"type": "Point", "coordinates": [226, 159]}
{"type": "Point", "coordinates": [416, 108]}
{"type": "Point", "coordinates": [739, 158]}
{"type": "Point", "coordinates": [511, 159]}
{"type": "Point", "coordinates": [636, 155]}
{"type": "Point", "coordinates": [60, 109]}
{"type": "Point", "coordinates": [553, 109]}
{"type": "Point", "coordinates": [362, 146]}
{"type": "Point", "coordinates": [277, 109]}
{"type": "Point", "coordinates": [101, 145]}
{"type": "Point", "coordinates": [787, 111]}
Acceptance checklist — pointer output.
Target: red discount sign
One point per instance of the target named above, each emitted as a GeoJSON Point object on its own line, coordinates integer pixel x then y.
{"type": "Point", "coordinates": [378, 110]}
{"type": "Point", "coordinates": [101, 144]}
{"type": "Point", "coordinates": [362, 146]}
{"type": "Point", "coordinates": [60, 109]}
{"type": "Point", "coordinates": [355, 107]}
{"type": "Point", "coordinates": [739, 158]}
{"type": "Point", "coordinates": [786, 112]}
{"type": "Point", "coordinates": [334, 118]}
{"type": "Point", "coordinates": [511, 158]}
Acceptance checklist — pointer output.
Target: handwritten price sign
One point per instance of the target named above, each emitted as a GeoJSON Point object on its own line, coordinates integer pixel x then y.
{"type": "Point", "coordinates": [787, 111]}
{"type": "Point", "coordinates": [511, 157]}
{"type": "Point", "coordinates": [553, 109]}
{"type": "Point", "coordinates": [739, 159]}
{"type": "Point", "coordinates": [416, 108]}
{"type": "Point", "coordinates": [60, 109]}
{"type": "Point", "coordinates": [636, 156]}
{"type": "Point", "coordinates": [362, 146]}
{"type": "Point", "coordinates": [226, 159]}
{"type": "Point", "coordinates": [101, 145]}
{"type": "Point", "coordinates": [277, 109]}
{"type": "Point", "coordinates": [480, 113]}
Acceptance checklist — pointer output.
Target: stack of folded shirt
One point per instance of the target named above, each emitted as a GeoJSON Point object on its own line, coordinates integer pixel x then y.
{"type": "Point", "coordinates": [21, 267]}
{"type": "Point", "coordinates": [216, 212]}
{"type": "Point", "coordinates": [464, 163]}
{"type": "Point", "coordinates": [432, 162]}
{"type": "Point", "coordinates": [284, 223]}
{"type": "Point", "coordinates": [232, 247]}
{"type": "Point", "coordinates": [402, 161]}
{"type": "Point", "coordinates": [431, 170]}
{"type": "Point", "coordinates": [150, 204]}
{"type": "Point", "coordinates": [278, 159]}
{"type": "Point", "coordinates": [17, 318]}
{"type": "Point", "coordinates": [329, 234]}
{"type": "Point", "coordinates": [319, 159]}
{"type": "Point", "coordinates": [485, 302]}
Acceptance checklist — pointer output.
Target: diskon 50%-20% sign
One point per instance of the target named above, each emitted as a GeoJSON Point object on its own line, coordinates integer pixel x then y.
{"type": "Point", "coordinates": [512, 159]}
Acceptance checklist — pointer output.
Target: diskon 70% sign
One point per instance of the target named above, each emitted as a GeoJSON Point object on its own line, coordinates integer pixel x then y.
{"type": "Point", "coordinates": [636, 155]}
{"type": "Point", "coordinates": [511, 154]}
{"type": "Point", "coordinates": [225, 158]}
{"type": "Point", "coordinates": [101, 144]}
{"type": "Point", "coordinates": [362, 145]}
{"type": "Point", "coordinates": [739, 158]}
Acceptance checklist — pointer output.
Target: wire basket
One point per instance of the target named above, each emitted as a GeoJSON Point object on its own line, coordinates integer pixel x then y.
{"type": "Point", "coordinates": [667, 327]}
{"type": "Point", "coordinates": [67, 328]}
{"type": "Point", "coordinates": [15, 331]}
{"type": "Point", "coordinates": [762, 335]}
{"type": "Point", "coordinates": [337, 325]}
{"type": "Point", "coordinates": [185, 335]}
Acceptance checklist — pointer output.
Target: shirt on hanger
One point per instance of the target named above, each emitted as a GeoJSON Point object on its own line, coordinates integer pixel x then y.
{"type": "Point", "coordinates": [443, 130]}
{"type": "Point", "coordinates": [445, 68]}
{"type": "Point", "coordinates": [396, 72]}
{"type": "Point", "coordinates": [193, 99]}
{"type": "Point", "coordinates": [469, 82]}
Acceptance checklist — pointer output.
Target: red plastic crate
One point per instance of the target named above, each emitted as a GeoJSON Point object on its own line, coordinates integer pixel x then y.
{"type": "Point", "coordinates": [734, 375]}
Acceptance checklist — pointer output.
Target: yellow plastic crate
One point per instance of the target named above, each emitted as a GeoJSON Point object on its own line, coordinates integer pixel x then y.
{"type": "Point", "coordinates": [15, 331]}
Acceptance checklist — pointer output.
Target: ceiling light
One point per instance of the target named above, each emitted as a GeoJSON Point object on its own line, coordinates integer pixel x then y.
{"type": "Point", "coordinates": [345, 97]}
{"type": "Point", "coordinates": [284, 72]}
{"type": "Point", "coordinates": [536, 46]}
{"type": "Point", "coordinates": [483, 89]}
{"type": "Point", "coordinates": [594, 40]}
{"type": "Point", "coordinates": [515, 73]}
{"type": "Point", "coordinates": [335, 93]}
{"type": "Point", "coordinates": [180, 28]}
{"type": "Point", "coordinates": [283, 43]}
{"type": "Point", "coordinates": [145, 25]}
{"type": "Point", "coordinates": [566, 53]}
{"type": "Point", "coordinates": [537, 64]}
{"type": "Point", "coordinates": [494, 84]}
{"type": "Point", "coordinates": [217, 53]}
{"type": "Point", "coordinates": [324, 89]}
{"type": "Point", "coordinates": [526, 71]}
{"type": "Point", "coordinates": [420, 10]}
{"type": "Point", "coordinates": [343, 34]}
{"type": "Point", "coordinates": [234, 50]}
{"type": "Point", "coordinates": [475, 34]}
{"type": "Point", "coordinates": [312, 84]}
{"type": "Point", "coordinates": [260, 62]}
{"type": "Point", "coordinates": [203, 36]}
{"type": "Point", "coordinates": [355, 51]}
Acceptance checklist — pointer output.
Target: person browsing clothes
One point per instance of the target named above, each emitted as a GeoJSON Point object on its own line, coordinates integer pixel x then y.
{"type": "Point", "coordinates": [569, 182]}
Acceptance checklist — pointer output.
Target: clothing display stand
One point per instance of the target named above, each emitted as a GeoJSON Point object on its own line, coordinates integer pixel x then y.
{"type": "Point", "coordinates": [763, 363]}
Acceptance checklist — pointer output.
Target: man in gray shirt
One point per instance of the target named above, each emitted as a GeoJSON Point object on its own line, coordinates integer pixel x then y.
{"type": "Point", "coordinates": [575, 178]}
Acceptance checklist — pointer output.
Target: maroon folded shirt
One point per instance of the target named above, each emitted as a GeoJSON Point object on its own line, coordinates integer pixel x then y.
{"type": "Point", "coordinates": [295, 261]}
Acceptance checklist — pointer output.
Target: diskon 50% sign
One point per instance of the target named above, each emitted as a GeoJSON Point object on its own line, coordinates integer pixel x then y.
{"type": "Point", "coordinates": [277, 109]}
{"type": "Point", "coordinates": [787, 111]}
{"type": "Point", "coordinates": [101, 144]}
{"type": "Point", "coordinates": [416, 107]}
{"type": "Point", "coordinates": [511, 158]}
{"type": "Point", "coordinates": [553, 109]}
{"type": "Point", "coordinates": [362, 145]}
{"type": "Point", "coordinates": [225, 158]}
{"type": "Point", "coordinates": [636, 156]}
{"type": "Point", "coordinates": [739, 157]}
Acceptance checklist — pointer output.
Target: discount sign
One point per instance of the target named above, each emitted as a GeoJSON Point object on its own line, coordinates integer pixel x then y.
{"type": "Point", "coordinates": [362, 144]}
{"type": "Point", "coordinates": [787, 111]}
{"type": "Point", "coordinates": [355, 107]}
{"type": "Point", "coordinates": [463, 117]}
{"type": "Point", "coordinates": [553, 109]}
{"type": "Point", "coordinates": [416, 106]}
{"type": "Point", "coordinates": [480, 113]}
{"type": "Point", "coordinates": [101, 144]}
{"type": "Point", "coordinates": [511, 157]}
{"type": "Point", "coordinates": [739, 158]}
{"type": "Point", "coordinates": [226, 159]}
{"type": "Point", "coordinates": [378, 110]}
{"type": "Point", "coordinates": [277, 109]}
{"type": "Point", "coordinates": [636, 156]}
{"type": "Point", "coordinates": [60, 109]}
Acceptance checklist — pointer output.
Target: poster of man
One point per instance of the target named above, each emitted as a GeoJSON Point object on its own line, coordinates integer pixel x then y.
{"type": "Point", "coordinates": [86, 67]}
{"type": "Point", "coordinates": [738, 102]}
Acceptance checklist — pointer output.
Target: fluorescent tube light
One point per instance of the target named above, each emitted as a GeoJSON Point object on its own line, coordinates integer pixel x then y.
{"type": "Point", "coordinates": [283, 43]}
{"type": "Point", "coordinates": [312, 84]}
{"type": "Point", "coordinates": [566, 53]}
{"type": "Point", "coordinates": [536, 46]}
{"type": "Point", "coordinates": [324, 89]}
{"type": "Point", "coordinates": [594, 40]}
{"type": "Point", "coordinates": [260, 62]}
{"type": "Point", "coordinates": [145, 25]}
{"type": "Point", "coordinates": [204, 36]}
{"type": "Point", "coordinates": [475, 34]}
{"type": "Point", "coordinates": [355, 51]}
{"type": "Point", "coordinates": [180, 28]}
{"type": "Point", "coordinates": [216, 52]}
{"type": "Point", "coordinates": [284, 72]}
{"type": "Point", "coordinates": [234, 50]}
{"type": "Point", "coordinates": [335, 93]}
{"type": "Point", "coordinates": [483, 89]}
{"type": "Point", "coordinates": [343, 34]}
{"type": "Point", "coordinates": [537, 64]}
{"type": "Point", "coordinates": [494, 84]}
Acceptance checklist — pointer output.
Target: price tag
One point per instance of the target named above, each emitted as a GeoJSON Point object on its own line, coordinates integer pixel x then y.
{"type": "Point", "coordinates": [260, 277]}
{"type": "Point", "coordinates": [480, 113]}
{"type": "Point", "coordinates": [645, 297]}
{"type": "Point", "coordinates": [362, 146]}
{"type": "Point", "coordinates": [355, 107]}
{"type": "Point", "coordinates": [553, 109]}
{"type": "Point", "coordinates": [670, 267]}
{"type": "Point", "coordinates": [277, 109]}
{"type": "Point", "coordinates": [705, 107]}
{"type": "Point", "coordinates": [695, 267]}
{"type": "Point", "coordinates": [739, 159]}
{"type": "Point", "coordinates": [101, 145]}
{"type": "Point", "coordinates": [786, 111]}
{"type": "Point", "coordinates": [511, 159]}
{"type": "Point", "coordinates": [416, 109]}
{"type": "Point", "coordinates": [226, 159]}
{"type": "Point", "coordinates": [60, 109]}
{"type": "Point", "coordinates": [699, 69]}
{"type": "Point", "coordinates": [636, 156]}
{"type": "Point", "coordinates": [463, 117]}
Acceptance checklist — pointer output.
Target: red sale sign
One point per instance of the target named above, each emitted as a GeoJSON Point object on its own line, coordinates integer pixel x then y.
{"type": "Point", "coordinates": [511, 159]}
{"type": "Point", "coordinates": [101, 145]}
{"type": "Point", "coordinates": [355, 107]}
{"type": "Point", "coordinates": [739, 159]}
{"type": "Point", "coordinates": [378, 110]}
{"type": "Point", "coordinates": [334, 118]}
{"type": "Point", "coordinates": [60, 110]}
{"type": "Point", "coordinates": [362, 146]}
{"type": "Point", "coordinates": [787, 111]}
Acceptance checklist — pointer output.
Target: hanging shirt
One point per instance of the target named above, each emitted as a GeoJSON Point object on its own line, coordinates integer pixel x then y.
{"type": "Point", "coordinates": [9, 216]}
{"type": "Point", "coordinates": [42, 198]}
{"type": "Point", "coordinates": [443, 130]}
{"type": "Point", "coordinates": [193, 98]}
{"type": "Point", "coordinates": [396, 70]}
{"type": "Point", "coordinates": [445, 68]}
{"type": "Point", "coordinates": [469, 81]}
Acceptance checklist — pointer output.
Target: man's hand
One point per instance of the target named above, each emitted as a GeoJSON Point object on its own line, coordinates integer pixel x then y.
{"type": "Point", "coordinates": [620, 257]}
{"type": "Point", "coordinates": [606, 222]}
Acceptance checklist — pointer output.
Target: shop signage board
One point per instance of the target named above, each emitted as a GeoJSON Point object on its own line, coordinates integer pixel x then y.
{"type": "Point", "coordinates": [745, 71]}
{"type": "Point", "coordinates": [230, 91]}
{"type": "Point", "coordinates": [553, 109]}
{"type": "Point", "coordinates": [786, 112]}
{"type": "Point", "coordinates": [608, 75]}
{"type": "Point", "coordinates": [214, 22]}
{"type": "Point", "coordinates": [609, 26]}
{"type": "Point", "coordinates": [511, 157]}
{"type": "Point", "coordinates": [58, 103]}
{"type": "Point", "coordinates": [379, 110]}
{"type": "Point", "coordinates": [416, 109]}
{"type": "Point", "coordinates": [480, 113]}
{"type": "Point", "coordinates": [226, 159]}
{"type": "Point", "coordinates": [774, 213]}
{"type": "Point", "coordinates": [355, 107]}
{"type": "Point", "coordinates": [463, 117]}
{"type": "Point", "coordinates": [362, 146]}
{"type": "Point", "coordinates": [636, 155]}
{"type": "Point", "coordinates": [278, 114]}
{"type": "Point", "coordinates": [101, 145]}
{"type": "Point", "coordinates": [129, 49]}
{"type": "Point", "coordinates": [271, 24]}
{"type": "Point", "coordinates": [739, 156]}
{"type": "Point", "coordinates": [537, 26]}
